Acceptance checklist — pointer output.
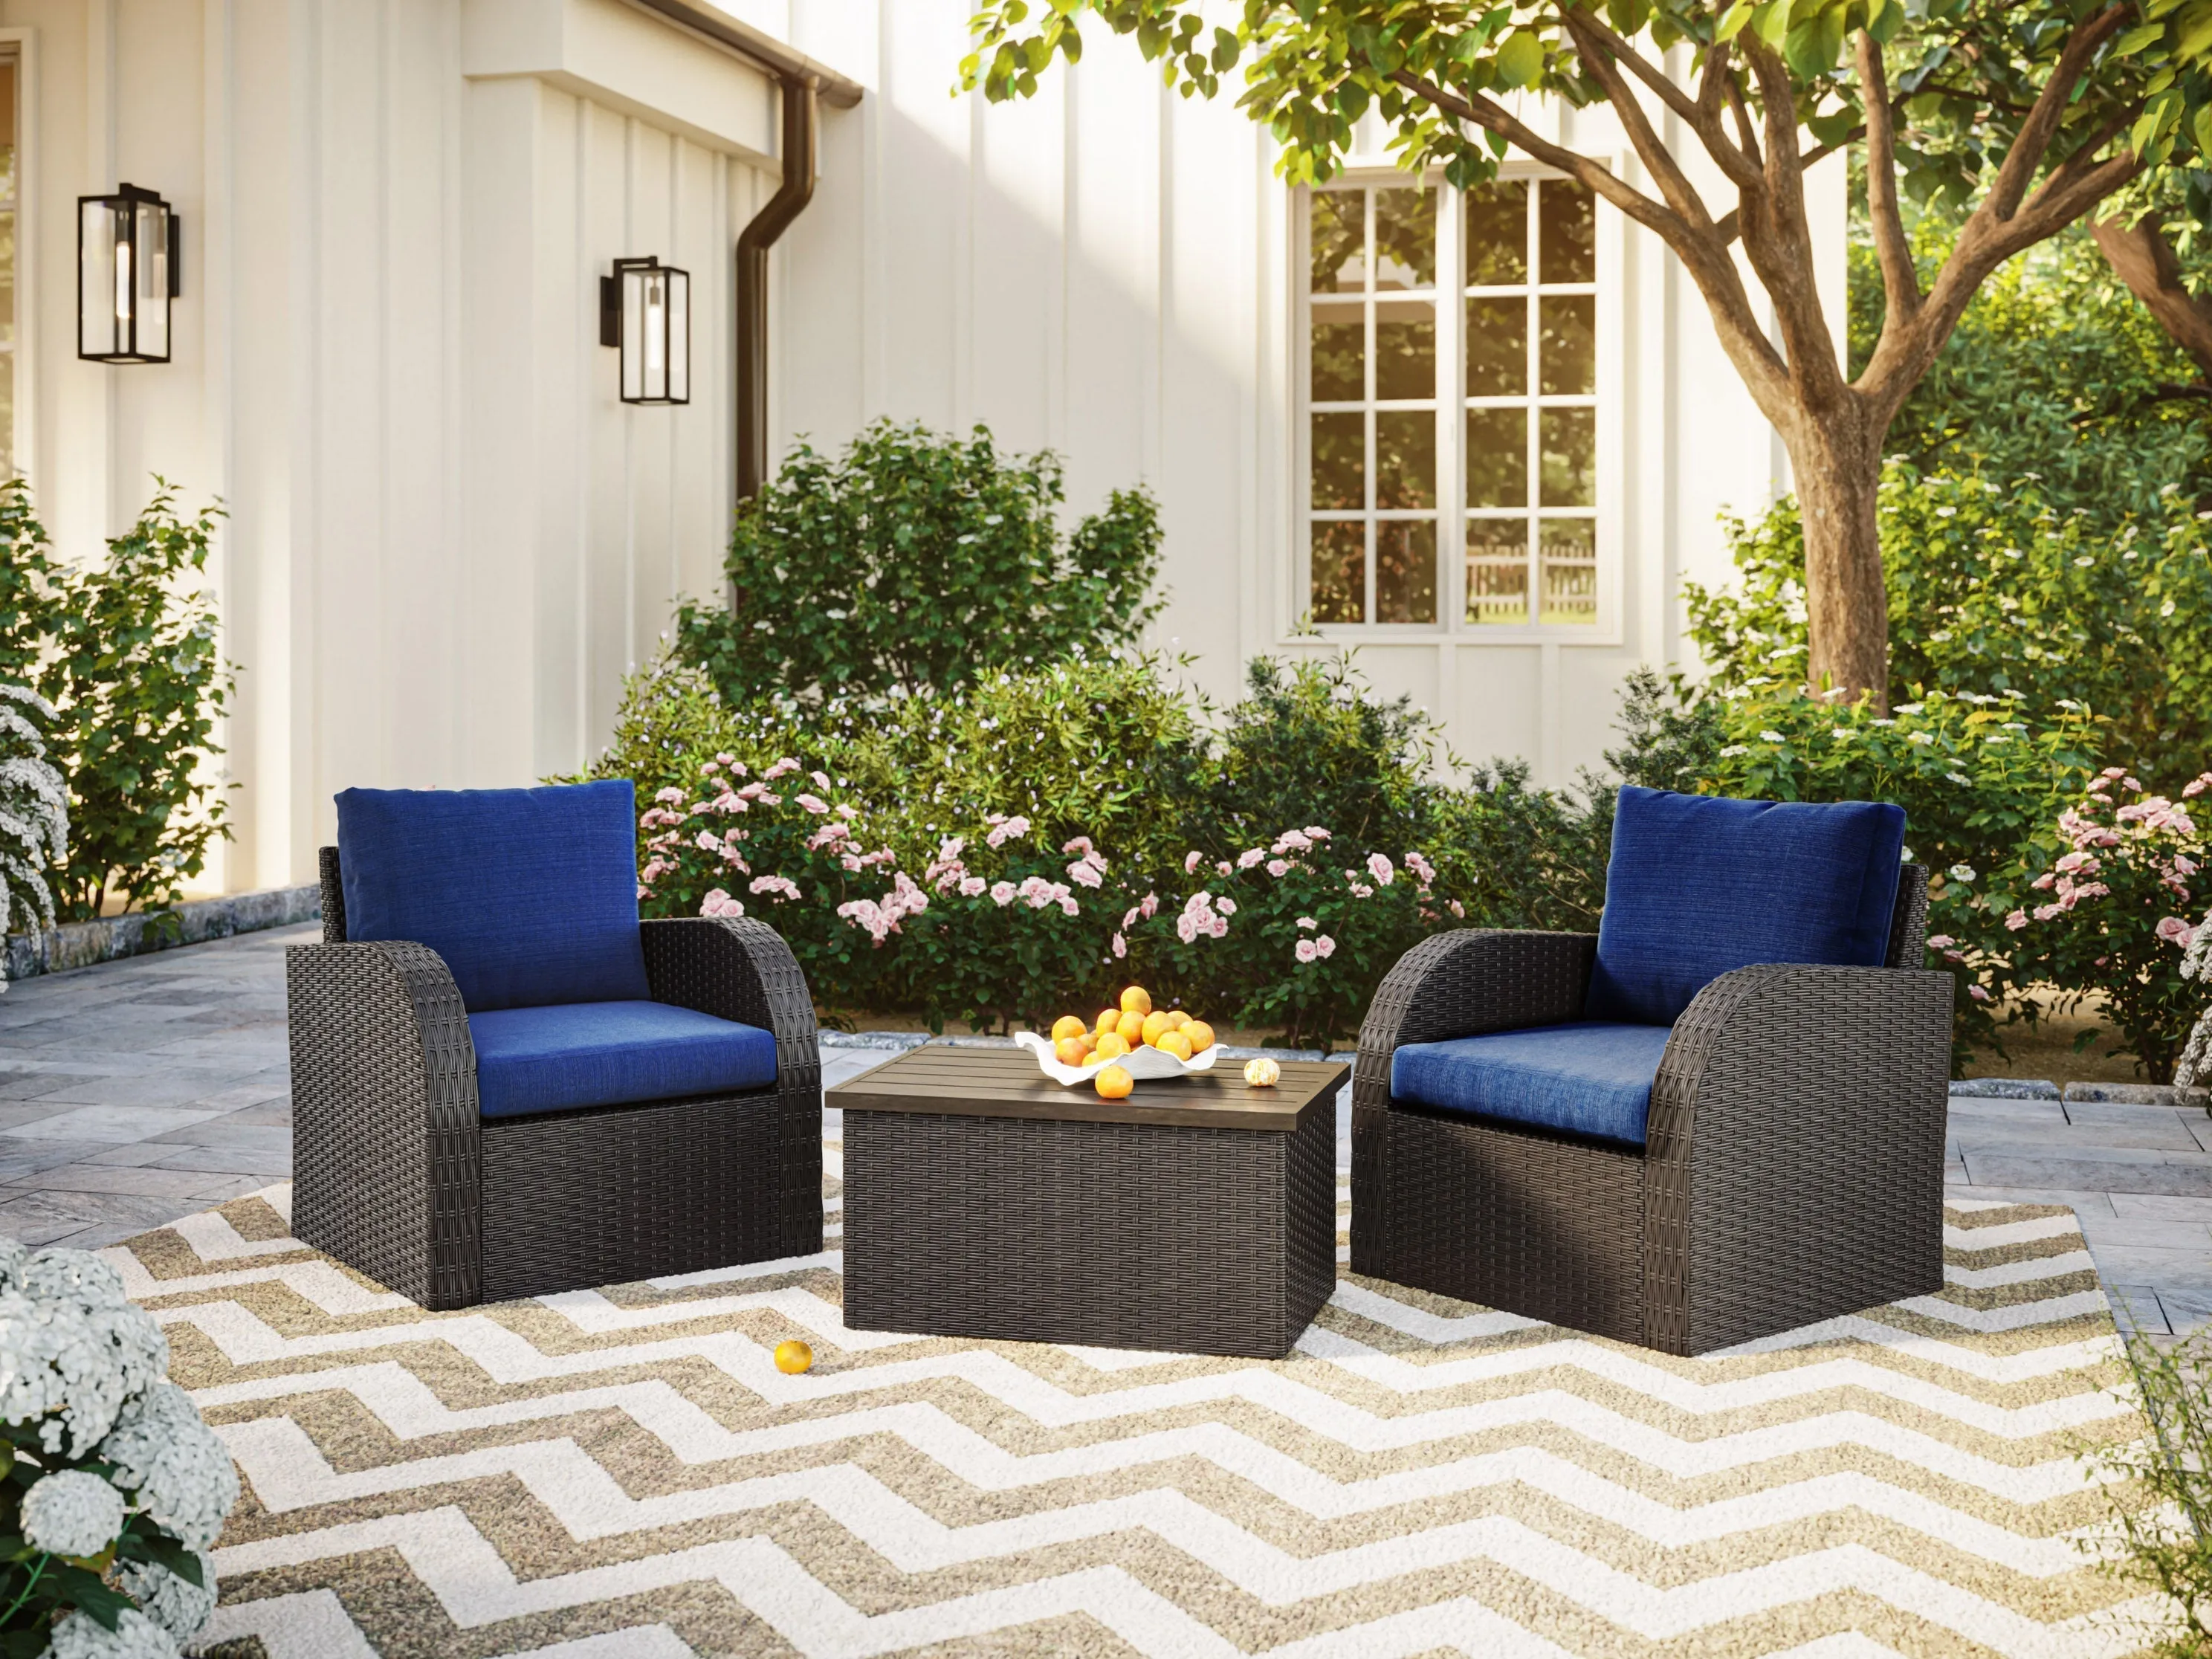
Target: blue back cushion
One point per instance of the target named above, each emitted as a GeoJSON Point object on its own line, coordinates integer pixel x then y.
{"type": "Point", "coordinates": [1586, 1078]}
{"type": "Point", "coordinates": [1699, 885]}
{"type": "Point", "coordinates": [612, 1053]}
{"type": "Point", "coordinates": [529, 895]}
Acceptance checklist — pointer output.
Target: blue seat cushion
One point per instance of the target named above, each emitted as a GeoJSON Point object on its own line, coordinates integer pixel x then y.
{"type": "Point", "coordinates": [529, 895]}
{"type": "Point", "coordinates": [1586, 1078]}
{"type": "Point", "coordinates": [1699, 885]}
{"type": "Point", "coordinates": [574, 1054]}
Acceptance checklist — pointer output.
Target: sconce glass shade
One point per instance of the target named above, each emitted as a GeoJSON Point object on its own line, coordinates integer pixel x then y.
{"type": "Point", "coordinates": [129, 258]}
{"type": "Point", "coordinates": [644, 312]}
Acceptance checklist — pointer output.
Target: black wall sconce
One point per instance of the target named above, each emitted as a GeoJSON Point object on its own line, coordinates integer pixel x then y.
{"type": "Point", "coordinates": [130, 259]}
{"type": "Point", "coordinates": [645, 314]}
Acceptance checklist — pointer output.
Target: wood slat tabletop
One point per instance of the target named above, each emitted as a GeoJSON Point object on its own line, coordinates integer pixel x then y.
{"type": "Point", "coordinates": [1006, 1083]}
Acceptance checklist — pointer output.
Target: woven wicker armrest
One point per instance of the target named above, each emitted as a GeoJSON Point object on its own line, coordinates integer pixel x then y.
{"type": "Point", "coordinates": [1796, 1123]}
{"type": "Point", "coordinates": [387, 1176]}
{"type": "Point", "coordinates": [1459, 984]}
{"type": "Point", "coordinates": [735, 968]}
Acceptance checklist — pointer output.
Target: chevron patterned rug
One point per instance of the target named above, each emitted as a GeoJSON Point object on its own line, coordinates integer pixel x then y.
{"type": "Point", "coordinates": [623, 1472]}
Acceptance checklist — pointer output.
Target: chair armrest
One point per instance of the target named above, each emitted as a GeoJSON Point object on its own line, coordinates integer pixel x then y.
{"type": "Point", "coordinates": [1455, 984]}
{"type": "Point", "coordinates": [387, 1162]}
{"type": "Point", "coordinates": [737, 969]}
{"type": "Point", "coordinates": [1798, 1122]}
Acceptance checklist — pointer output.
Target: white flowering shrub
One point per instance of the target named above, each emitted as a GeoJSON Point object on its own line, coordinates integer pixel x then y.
{"type": "Point", "coordinates": [33, 815]}
{"type": "Point", "coordinates": [112, 1488]}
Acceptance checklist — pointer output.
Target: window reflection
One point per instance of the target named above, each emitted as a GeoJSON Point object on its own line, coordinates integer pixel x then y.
{"type": "Point", "coordinates": [1339, 570]}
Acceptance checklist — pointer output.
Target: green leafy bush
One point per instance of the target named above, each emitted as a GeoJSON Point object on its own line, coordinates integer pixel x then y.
{"type": "Point", "coordinates": [1992, 589]}
{"type": "Point", "coordinates": [2160, 1490]}
{"type": "Point", "coordinates": [125, 651]}
{"type": "Point", "coordinates": [34, 814]}
{"type": "Point", "coordinates": [1036, 839]}
{"type": "Point", "coordinates": [914, 563]}
{"type": "Point", "coordinates": [2111, 911]}
{"type": "Point", "coordinates": [2054, 372]}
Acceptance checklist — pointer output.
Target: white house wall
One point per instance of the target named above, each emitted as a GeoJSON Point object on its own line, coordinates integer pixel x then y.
{"type": "Point", "coordinates": [448, 540]}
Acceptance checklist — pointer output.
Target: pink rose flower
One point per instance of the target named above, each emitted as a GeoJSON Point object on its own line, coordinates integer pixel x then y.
{"type": "Point", "coordinates": [1381, 868]}
{"type": "Point", "coordinates": [973, 886]}
{"type": "Point", "coordinates": [1187, 926]}
{"type": "Point", "coordinates": [1150, 904]}
{"type": "Point", "coordinates": [783, 887]}
{"type": "Point", "coordinates": [1080, 844]}
{"type": "Point", "coordinates": [1941, 941]}
{"type": "Point", "coordinates": [1977, 992]}
{"type": "Point", "coordinates": [1303, 950]}
{"type": "Point", "coordinates": [1003, 893]}
{"type": "Point", "coordinates": [720, 904]}
{"type": "Point", "coordinates": [1191, 861]}
{"type": "Point", "coordinates": [1225, 868]}
{"type": "Point", "coordinates": [1317, 832]}
{"type": "Point", "coordinates": [2016, 921]}
{"type": "Point", "coordinates": [1308, 921]}
{"type": "Point", "coordinates": [1084, 874]}
{"type": "Point", "coordinates": [821, 780]}
{"type": "Point", "coordinates": [1324, 946]}
{"type": "Point", "coordinates": [1278, 868]}
{"type": "Point", "coordinates": [1250, 856]}
{"type": "Point", "coordinates": [1226, 905]}
{"type": "Point", "coordinates": [2174, 930]}
{"type": "Point", "coordinates": [1120, 947]}
{"type": "Point", "coordinates": [1457, 909]}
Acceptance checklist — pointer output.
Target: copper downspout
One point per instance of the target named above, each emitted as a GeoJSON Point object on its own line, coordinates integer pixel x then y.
{"type": "Point", "coordinates": [801, 120]}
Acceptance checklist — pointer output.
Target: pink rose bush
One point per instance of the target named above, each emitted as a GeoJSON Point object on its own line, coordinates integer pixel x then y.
{"type": "Point", "coordinates": [2112, 911]}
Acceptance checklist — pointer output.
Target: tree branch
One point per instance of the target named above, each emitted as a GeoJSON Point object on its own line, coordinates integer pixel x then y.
{"type": "Point", "coordinates": [1700, 116]}
{"type": "Point", "coordinates": [1900, 278]}
{"type": "Point", "coordinates": [2141, 256]}
{"type": "Point", "coordinates": [2024, 159]}
{"type": "Point", "coordinates": [1703, 254]}
{"type": "Point", "coordinates": [1673, 184]}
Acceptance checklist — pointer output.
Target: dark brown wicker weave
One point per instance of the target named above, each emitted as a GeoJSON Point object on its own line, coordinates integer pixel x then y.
{"type": "Point", "coordinates": [1158, 1234]}
{"type": "Point", "coordinates": [1793, 1168]}
{"type": "Point", "coordinates": [395, 1173]}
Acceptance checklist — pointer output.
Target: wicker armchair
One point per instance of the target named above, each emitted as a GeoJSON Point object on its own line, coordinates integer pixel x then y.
{"type": "Point", "coordinates": [397, 1173]}
{"type": "Point", "coordinates": [1792, 1168]}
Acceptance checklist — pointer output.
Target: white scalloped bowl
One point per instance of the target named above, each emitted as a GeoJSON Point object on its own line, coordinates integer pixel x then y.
{"type": "Point", "coordinates": [1144, 1065]}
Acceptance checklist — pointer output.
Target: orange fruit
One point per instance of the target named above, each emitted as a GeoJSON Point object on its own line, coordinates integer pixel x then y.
{"type": "Point", "coordinates": [1262, 1073]}
{"type": "Point", "coordinates": [1108, 1019]}
{"type": "Point", "coordinates": [1094, 1058]}
{"type": "Point", "coordinates": [1177, 1019]}
{"type": "Point", "coordinates": [1174, 1042]}
{"type": "Point", "coordinates": [1113, 1045]}
{"type": "Point", "coordinates": [1200, 1035]}
{"type": "Point", "coordinates": [1155, 1026]}
{"type": "Point", "coordinates": [1067, 1026]}
{"type": "Point", "coordinates": [1069, 1051]}
{"type": "Point", "coordinates": [1132, 1028]}
{"type": "Point", "coordinates": [1137, 1001]}
{"type": "Point", "coordinates": [1114, 1083]}
{"type": "Point", "coordinates": [794, 1356]}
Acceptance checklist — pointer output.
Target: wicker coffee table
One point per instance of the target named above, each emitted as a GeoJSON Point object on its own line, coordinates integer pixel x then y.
{"type": "Point", "coordinates": [984, 1199]}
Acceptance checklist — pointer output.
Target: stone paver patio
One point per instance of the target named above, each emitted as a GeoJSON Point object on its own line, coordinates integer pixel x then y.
{"type": "Point", "coordinates": [137, 1092]}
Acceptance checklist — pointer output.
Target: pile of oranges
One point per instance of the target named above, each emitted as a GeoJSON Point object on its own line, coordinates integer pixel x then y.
{"type": "Point", "coordinates": [1135, 1024]}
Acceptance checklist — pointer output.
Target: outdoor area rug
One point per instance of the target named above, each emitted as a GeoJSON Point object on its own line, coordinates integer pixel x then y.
{"type": "Point", "coordinates": [624, 1472]}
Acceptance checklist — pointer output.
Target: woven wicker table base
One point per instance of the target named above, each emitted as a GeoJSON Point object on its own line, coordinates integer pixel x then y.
{"type": "Point", "coordinates": [982, 1199]}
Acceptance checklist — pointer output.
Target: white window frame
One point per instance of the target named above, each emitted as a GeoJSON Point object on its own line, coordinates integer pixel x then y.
{"type": "Point", "coordinates": [1610, 346]}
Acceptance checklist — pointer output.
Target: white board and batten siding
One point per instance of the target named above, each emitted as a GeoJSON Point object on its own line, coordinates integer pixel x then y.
{"type": "Point", "coordinates": [447, 540]}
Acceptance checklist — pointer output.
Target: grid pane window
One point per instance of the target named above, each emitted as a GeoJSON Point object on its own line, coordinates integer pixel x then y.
{"type": "Point", "coordinates": [1452, 405]}
{"type": "Point", "coordinates": [1531, 460]}
{"type": "Point", "coordinates": [1374, 372]}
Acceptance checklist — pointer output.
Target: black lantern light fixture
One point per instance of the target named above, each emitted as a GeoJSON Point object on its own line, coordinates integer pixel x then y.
{"type": "Point", "coordinates": [130, 264]}
{"type": "Point", "coordinates": [644, 312]}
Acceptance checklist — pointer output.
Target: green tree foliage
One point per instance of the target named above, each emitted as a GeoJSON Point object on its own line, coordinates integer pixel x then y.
{"type": "Point", "coordinates": [2003, 588]}
{"type": "Point", "coordinates": [2026, 114]}
{"type": "Point", "coordinates": [2056, 375]}
{"type": "Point", "coordinates": [915, 563]}
{"type": "Point", "coordinates": [125, 651]}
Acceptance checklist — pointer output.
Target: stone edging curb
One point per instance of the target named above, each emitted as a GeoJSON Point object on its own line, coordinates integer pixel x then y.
{"type": "Point", "coordinates": [2118, 1094]}
{"type": "Point", "coordinates": [81, 944]}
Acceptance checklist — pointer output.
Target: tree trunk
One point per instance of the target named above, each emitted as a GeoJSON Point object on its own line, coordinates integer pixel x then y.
{"type": "Point", "coordinates": [2141, 256]}
{"type": "Point", "coordinates": [1837, 459]}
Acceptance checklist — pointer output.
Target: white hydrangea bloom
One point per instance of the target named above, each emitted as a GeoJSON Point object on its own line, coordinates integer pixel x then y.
{"type": "Point", "coordinates": [177, 1605]}
{"type": "Point", "coordinates": [173, 1464]}
{"type": "Point", "coordinates": [13, 1255]}
{"type": "Point", "coordinates": [68, 1367]}
{"type": "Point", "coordinates": [72, 1513]}
{"type": "Point", "coordinates": [60, 1275]}
{"type": "Point", "coordinates": [77, 1636]}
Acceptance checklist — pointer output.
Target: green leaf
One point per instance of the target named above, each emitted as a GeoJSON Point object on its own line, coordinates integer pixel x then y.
{"type": "Point", "coordinates": [1351, 97]}
{"type": "Point", "coordinates": [1733, 19]}
{"type": "Point", "coordinates": [2143, 35]}
{"type": "Point", "coordinates": [1771, 22]}
{"type": "Point", "coordinates": [1521, 60]}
